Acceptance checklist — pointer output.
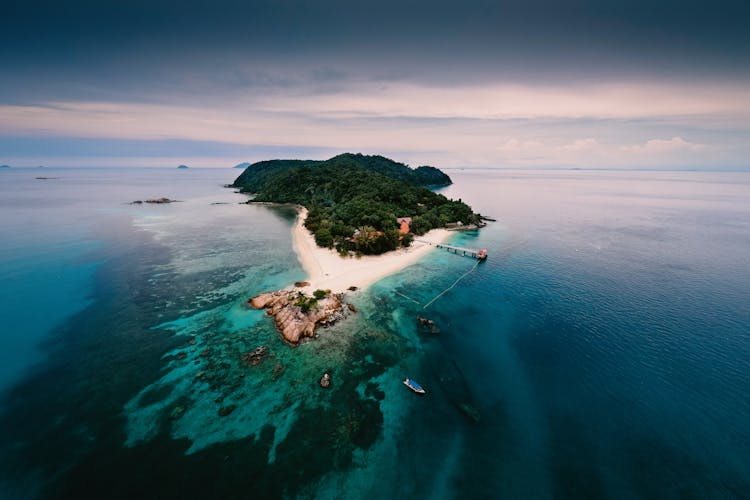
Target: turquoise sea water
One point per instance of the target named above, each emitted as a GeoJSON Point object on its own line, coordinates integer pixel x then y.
{"type": "Point", "coordinates": [604, 345]}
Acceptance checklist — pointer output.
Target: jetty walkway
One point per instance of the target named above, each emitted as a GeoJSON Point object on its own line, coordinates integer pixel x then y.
{"type": "Point", "coordinates": [479, 255]}
{"type": "Point", "coordinates": [466, 252]}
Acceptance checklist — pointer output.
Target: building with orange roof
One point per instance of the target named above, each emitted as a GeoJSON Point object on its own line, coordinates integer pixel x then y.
{"type": "Point", "coordinates": [404, 223]}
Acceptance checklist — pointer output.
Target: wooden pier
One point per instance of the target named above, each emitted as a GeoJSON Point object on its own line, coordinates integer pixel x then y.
{"type": "Point", "coordinates": [465, 252]}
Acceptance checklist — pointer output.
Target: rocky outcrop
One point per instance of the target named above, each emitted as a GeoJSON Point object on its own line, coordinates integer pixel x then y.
{"type": "Point", "coordinates": [297, 315]}
{"type": "Point", "coordinates": [428, 325]}
{"type": "Point", "coordinates": [154, 201]}
{"type": "Point", "coordinates": [465, 227]}
{"type": "Point", "coordinates": [255, 357]}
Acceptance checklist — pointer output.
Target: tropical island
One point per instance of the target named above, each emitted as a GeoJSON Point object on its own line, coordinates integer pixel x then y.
{"type": "Point", "coordinates": [356, 203]}
{"type": "Point", "coordinates": [183, 166]}
{"type": "Point", "coordinates": [366, 208]}
{"type": "Point", "coordinates": [4, 166]}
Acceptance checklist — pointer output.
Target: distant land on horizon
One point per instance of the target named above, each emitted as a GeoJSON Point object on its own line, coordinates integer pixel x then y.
{"type": "Point", "coordinates": [498, 168]}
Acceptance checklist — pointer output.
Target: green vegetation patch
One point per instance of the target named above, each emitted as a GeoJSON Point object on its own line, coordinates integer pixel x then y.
{"type": "Point", "coordinates": [353, 201]}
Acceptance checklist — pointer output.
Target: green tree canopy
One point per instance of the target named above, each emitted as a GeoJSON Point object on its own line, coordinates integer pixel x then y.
{"type": "Point", "coordinates": [355, 192]}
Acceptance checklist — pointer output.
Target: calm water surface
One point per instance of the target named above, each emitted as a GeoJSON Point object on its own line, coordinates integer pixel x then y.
{"type": "Point", "coordinates": [604, 346]}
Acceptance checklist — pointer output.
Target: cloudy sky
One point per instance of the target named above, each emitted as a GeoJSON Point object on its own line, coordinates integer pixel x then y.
{"type": "Point", "coordinates": [636, 84]}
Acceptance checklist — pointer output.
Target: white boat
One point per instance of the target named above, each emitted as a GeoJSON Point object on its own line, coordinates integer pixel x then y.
{"type": "Point", "coordinates": [414, 386]}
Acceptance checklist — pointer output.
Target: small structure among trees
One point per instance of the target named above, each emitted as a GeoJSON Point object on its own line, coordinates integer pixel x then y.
{"type": "Point", "coordinates": [404, 223]}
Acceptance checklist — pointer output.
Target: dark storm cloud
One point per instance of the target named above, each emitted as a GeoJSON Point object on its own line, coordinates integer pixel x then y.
{"type": "Point", "coordinates": [311, 24]}
{"type": "Point", "coordinates": [157, 45]}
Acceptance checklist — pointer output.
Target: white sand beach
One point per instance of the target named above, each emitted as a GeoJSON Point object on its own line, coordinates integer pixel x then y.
{"type": "Point", "coordinates": [329, 271]}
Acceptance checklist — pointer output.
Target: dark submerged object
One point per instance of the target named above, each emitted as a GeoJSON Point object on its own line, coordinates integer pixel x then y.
{"type": "Point", "coordinates": [256, 356]}
{"type": "Point", "coordinates": [453, 382]}
{"type": "Point", "coordinates": [428, 325]}
{"type": "Point", "coordinates": [226, 410]}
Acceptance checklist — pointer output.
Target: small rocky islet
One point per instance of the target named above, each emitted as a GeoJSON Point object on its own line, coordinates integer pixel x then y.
{"type": "Point", "coordinates": [154, 201]}
{"type": "Point", "coordinates": [297, 315]}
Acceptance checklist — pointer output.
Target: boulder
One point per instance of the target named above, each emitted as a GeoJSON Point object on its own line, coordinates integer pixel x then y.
{"type": "Point", "coordinates": [255, 357]}
{"type": "Point", "coordinates": [296, 315]}
{"type": "Point", "coordinates": [428, 325]}
{"type": "Point", "coordinates": [262, 301]}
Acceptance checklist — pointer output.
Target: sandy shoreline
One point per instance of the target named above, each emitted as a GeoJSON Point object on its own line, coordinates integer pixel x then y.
{"type": "Point", "coordinates": [327, 270]}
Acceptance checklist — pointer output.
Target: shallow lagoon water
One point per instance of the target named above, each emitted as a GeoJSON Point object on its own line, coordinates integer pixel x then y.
{"type": "Point", "coordinates": [604, 344]}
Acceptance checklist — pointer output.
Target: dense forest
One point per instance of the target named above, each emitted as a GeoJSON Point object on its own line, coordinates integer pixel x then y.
{"type": "Point", "coordinates": [354, 200]}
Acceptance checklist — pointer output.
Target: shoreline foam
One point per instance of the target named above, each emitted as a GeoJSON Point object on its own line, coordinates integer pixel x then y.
{"type": "Point", "coordinates": [327, 270]}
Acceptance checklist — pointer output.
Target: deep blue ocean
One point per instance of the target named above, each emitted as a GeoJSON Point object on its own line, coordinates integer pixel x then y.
{"type": "Point", "coordinates": [602, 351]}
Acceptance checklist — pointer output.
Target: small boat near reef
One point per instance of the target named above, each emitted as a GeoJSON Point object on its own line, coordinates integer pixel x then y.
{"type": "Point", "coordinates": [414, 386]}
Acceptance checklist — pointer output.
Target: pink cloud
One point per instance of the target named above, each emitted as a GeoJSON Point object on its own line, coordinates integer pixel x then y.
{"type": "Point", "coordinates": [665, 146]}
{"type": "Point", "coordinates": [581, 145]}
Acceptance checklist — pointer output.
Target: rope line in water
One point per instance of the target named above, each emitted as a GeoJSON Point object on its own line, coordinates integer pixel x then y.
{"type": "Point", "coordinates": [451, 287]}
{"type": "Point", "coordinates": [407, 297]}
